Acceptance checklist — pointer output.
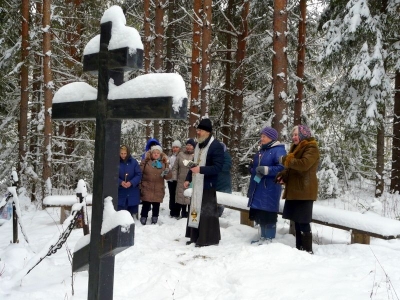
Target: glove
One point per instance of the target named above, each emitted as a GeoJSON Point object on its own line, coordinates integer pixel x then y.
{"type": "Point", "coordinates": [165, 172]}
{"type": "Point", "coordinates": [261, 171]}
{"type": "Point", "coordinates": [282, 177]}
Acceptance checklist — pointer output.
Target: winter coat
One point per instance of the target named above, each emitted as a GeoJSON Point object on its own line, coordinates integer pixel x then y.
{"type": "Point", "coordinates": [152, 186]}
{"type": "Point", "coordinates": [300, 174]}
{"type": "Point", "coordinates": [179, 171]}
{"type": "Point", "coordinates": [129, 170]}
{"type": "Point", "coordinates": [224, 182]}
{"type": "Point", "coordinates": [265, 195]}
{"type": "Point", "coordinates": [214, 163]}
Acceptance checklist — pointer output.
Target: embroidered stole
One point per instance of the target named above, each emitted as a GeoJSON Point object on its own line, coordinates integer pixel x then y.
{"type": "Point", "coordinates": [200, 156]}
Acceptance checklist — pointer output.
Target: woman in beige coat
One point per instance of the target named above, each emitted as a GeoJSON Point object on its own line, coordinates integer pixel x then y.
{"type": "Point", "coordinates": [155, 169]}
{"type": "Point", "coordinates": [301, 184]}
{"type": "Point", "coordinates": [179, 172]}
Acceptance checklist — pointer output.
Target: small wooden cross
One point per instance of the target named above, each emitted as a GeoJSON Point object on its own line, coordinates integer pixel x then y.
{"type": "Point", "coordinates": [99, 255]}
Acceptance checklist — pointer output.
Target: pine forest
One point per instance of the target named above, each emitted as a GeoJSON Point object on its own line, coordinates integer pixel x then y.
{"type": "Point", "coordinates": [331, 64]}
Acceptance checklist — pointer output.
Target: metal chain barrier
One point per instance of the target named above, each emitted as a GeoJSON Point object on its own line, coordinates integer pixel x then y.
{"type": "Point", "coordinates": [61, 240]}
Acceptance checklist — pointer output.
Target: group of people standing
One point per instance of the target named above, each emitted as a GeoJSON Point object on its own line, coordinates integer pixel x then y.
{"type": "Point", "coordinates": [209, 171]}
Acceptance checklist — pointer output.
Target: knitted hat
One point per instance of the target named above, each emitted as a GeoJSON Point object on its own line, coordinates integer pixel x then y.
{"type": "Point", "coordinates": [304, 132]}
{"type": "Point", "coordinates": [177, 144]}
{"type": "Point", "coordinates": [205, 124]}
{"type": "Point", "coordinates": [270, 132]}
{"type": "Point", "coordinates": [191, 142]}
{"type": "Point", "coordinates": [156, 147]}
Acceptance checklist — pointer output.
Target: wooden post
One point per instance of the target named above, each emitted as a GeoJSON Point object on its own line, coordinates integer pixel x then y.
{"type": "Point", "coordinates": [359, 238]}
{"type": "Point", "coordinates": [244, 219]}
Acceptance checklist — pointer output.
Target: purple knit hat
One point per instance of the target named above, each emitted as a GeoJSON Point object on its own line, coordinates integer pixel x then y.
{"type": "Point", "coordinates": [304, 132]}
{"type": "Point", "coordinates": [270, 132]}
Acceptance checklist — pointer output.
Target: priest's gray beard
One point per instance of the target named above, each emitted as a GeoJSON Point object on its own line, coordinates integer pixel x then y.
{"type": "Point", "coordinates": [202, 139]}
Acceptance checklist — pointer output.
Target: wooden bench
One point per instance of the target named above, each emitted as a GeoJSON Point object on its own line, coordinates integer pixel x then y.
{"type": "Point", "coordinates": [361, 226]}
{"type": "Point", "coordinates": [65, 202]}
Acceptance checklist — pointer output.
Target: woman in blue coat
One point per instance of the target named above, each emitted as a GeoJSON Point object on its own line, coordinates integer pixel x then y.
{"type": "Point", "coordinates": [264, 194]}
{"type": "Point", "coordinates": [129, 179]}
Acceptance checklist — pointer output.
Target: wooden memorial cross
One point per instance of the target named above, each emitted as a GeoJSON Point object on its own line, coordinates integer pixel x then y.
{"type": "Point", "coordinates": [99, 255]}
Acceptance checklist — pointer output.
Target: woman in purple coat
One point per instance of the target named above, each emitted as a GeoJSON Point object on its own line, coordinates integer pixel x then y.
{"type": "Point", "coordinates": [129, 179]}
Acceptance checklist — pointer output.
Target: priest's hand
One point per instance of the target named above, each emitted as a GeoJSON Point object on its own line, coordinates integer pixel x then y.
{"type": "Point", "coordinates": [195, 170]}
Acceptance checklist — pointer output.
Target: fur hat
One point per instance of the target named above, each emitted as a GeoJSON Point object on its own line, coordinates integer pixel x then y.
{"type": "Point", "coordinates": [156, 147]}
{"type": "Point", "coordinates": [177, 144]}
{"type": "Point", "coordinates": [304, 132]}
{"type": "Point", "coordinates": [270, 132]}
{"type": "Point", "coordinates": [205, 124]}
{"type": "Point", "coordinates": [191, 142]}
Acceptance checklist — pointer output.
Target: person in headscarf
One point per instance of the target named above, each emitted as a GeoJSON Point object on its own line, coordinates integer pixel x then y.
{"type": "Point", "coordinates": [179, 171]}
{"type": "Point", "coordinates": [301, 184]}
{"type": "Point", "coordinates": [264, 194]}
{"type": "Point", "coordinates": [203, 222]}
{"type": "Point", "coordinates": [172, 183]}
{"type": "Point", "coordinates": [129, 179]}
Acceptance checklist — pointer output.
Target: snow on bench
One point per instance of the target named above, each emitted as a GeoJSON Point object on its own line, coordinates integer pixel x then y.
{"type": "Point", "coordinates": [362, 226]}
{"type": "Point", "coordinates": [65, 202]}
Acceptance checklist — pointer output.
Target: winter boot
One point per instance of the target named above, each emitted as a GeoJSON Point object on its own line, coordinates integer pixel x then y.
{"type": "Point", "coordinates": [306, 238]}
{"type": "Point", "coordinates": [299, 245]}
{"type": "Point", "coordinates": [143, 220]}
{"type": "Point", "coordinates": [154, 220]}
{"type": "Point", "coordinates": [269, 231]}
{"type": "Point", "coordinates": [258, 238]}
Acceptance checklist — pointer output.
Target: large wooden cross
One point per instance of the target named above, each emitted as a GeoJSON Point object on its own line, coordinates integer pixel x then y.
{"type": "Point", "coordinates": [99, 255]}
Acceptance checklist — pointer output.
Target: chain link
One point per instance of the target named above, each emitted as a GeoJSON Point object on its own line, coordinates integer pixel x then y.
{"type": "Point", "coordinates": [64, 236]}
{"type": "Point", "coordinates": [61, 240]}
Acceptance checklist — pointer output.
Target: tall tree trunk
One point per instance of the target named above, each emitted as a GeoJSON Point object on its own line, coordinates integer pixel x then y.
{"type": "Point", "coordinates": [169, 66]}
{"type": "Point", "coordinates": [73, 39]}
{"type": "Point", "coordinates": [170, 36]}
{"type": "Point", "coordinates": [301, 56]}
{"type": "Point", "coordinates": [205, 56]}
{"type": "Point", "coordinates": [279, 65]}
{"type": "Point", "coordinates": [380, 157]}
{"type": "Point", "coordinates": [158, 51]}
{"type": "Point", "coordinates": [237, 116]}
{"type": "Point", "coordinates": [226, 132]}
{"type": "Point", "coordinates": [195, 80]}
{"type": "Point", "coordinates": [34, 147]}
{"type": "Point", "coordinates": [146, 51]}
{"type": "Point", "coordinates": [147, 34]}
{"type": "Point", "coordinates": [395, 177]}
{"type": "Point", "coordinates": [159, 36]}
{"type": "Point", "coordinates": [380, 134]}
{"type": "Point", "coordinates": [48, 97]}
{"type": "Point", "coordinates": [23, 107]}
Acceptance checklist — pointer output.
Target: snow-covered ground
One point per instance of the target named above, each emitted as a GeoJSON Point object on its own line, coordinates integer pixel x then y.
{"type": "Point", "coordinates": [160, 265]}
